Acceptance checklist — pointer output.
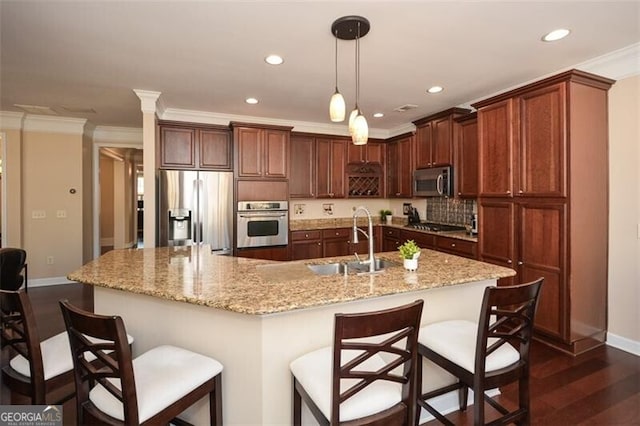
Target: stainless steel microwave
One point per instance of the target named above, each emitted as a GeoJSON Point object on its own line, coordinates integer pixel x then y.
{"type": "Point", "coordinates": [433, 182]}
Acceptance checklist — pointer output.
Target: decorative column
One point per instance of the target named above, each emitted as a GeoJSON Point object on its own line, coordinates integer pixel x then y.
{"type": "Point", "coordinates": [148, 101]}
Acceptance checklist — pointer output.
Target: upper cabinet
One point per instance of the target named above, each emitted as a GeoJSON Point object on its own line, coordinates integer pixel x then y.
{"type": "Point", "coordinates": [434, 138]}
{"type": "Point", "coordinates": [193, 146]}
{"type": "Point", "coordinates": [465, 164]}
{"type": "Point", "coordinates": [523, 144]}
{"type": "Point", "coordinates": [261, 151]}
{"type": "Point", "coordinates": [399, 167]}
{"type": "Point", "coordinates": [370, 153]}
{"type": "Point", "coordinates": [330, 167]}
{"type": "Point", "coordinates": [302, 181]}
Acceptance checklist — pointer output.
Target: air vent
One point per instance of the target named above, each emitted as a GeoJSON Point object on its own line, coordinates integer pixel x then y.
{"type": "Point", "coordinates": [35, 109]}
{"type": "Point", "coordinates": [78, 110]}
{"type": "Point", "coordinates": [406, 107]}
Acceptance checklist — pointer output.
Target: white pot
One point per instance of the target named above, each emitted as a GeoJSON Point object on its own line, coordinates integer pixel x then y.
{"type": "Point", "coordinates": [410, 264]}
{"type": "Point", "coordinates": [389, 219]}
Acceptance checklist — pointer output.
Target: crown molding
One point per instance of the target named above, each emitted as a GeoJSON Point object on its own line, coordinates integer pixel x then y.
{"type": "Point", "coordinates": [221, 119]}
{"type": "Point", "coordinates": [46, 123]}
{"type": "Point", "coordinates": [400, 130]}
{"type": "Point", "coordinates": [10, 120]}
{"type": "Point", "coordinates": [109, 134]}
{"type": "Point", "coordinates": [148, 99]}
{"type": "Point", "coordinates": [618, 65]}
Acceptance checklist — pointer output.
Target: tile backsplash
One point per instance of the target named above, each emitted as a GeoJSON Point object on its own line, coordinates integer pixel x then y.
{"type": "Point", "coordinates": [452, 211]}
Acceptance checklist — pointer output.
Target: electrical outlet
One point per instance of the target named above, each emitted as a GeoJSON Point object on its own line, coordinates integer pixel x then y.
{"type": "Point", "coordinates": [38, 214]}
{"type": "Point", "coordinates": [298, 209]}
{"type": "Point", "coordinates": [49, 260]}
{"type": "Point", "coordinates": [61, 214]}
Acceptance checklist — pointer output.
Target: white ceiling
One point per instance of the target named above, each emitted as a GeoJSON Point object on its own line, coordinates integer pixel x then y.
{"type": "Point", "coordinates": [208, 55]}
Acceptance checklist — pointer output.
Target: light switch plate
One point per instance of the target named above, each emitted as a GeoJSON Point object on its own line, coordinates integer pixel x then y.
{"type": "Point", "coordinates": [38, 214]}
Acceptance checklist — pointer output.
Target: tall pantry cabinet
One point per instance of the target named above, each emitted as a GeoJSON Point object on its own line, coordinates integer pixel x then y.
{"type": "Point", "coordinates": [543, 200]}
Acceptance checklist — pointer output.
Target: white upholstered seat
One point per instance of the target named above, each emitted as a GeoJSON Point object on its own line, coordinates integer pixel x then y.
{"type": "Point", "coordinates": [56, 357]}
{"type": "Point", "coordinates": [456, 341]}
{"type": "Point", "coordinates": [162, 376]}
{"type": "Point", "coordinates": [314, 372]}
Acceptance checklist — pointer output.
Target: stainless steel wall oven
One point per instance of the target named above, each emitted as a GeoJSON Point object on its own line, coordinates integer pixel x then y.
{"type": "Point", "coordinates": [262, 224]}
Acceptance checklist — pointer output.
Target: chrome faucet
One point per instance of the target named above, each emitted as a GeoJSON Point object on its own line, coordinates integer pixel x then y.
{"type": "Point", "coordinates": [369, 235]}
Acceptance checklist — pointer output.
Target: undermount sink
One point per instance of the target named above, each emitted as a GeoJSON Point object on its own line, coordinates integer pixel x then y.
{"type": "Point", "coordinates": [353, 266]}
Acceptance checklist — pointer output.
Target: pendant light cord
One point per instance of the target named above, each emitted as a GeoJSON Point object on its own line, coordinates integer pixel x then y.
{"type": "Point", "coordinates": [336, 36]}
{"type": "Point", "coordinates": [358, 69]}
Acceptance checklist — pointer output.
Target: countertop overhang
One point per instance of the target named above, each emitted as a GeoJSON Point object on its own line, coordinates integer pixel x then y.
{"type": "Point", "coordinates": [258, 287]}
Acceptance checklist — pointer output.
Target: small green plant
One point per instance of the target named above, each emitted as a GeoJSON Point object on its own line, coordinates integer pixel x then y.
{"type": "Point", "coordinates": [384, 213]}
{"type": "Point", "coordinates": [408, 249]}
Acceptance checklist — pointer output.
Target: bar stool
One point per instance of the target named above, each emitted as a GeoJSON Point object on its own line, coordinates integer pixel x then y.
{"type": "Point", "coordinates": [367, 375]}
{"type": "Point", "coordinates": [153, 388]}
{"type": "Point", "coordinates": [485, 355]}
{"type": "Point", "coordinates": [38, 368]}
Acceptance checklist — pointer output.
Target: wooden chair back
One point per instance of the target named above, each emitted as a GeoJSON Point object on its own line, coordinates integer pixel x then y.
{"type": "Point", "coordinates": [507, 317]}
{"type": "Point", "coordinates": [398, 328]}
{"type": "Point", "coordinates": [113, 360]}
{"type": "Point", "coordinates": [19, 333]}
{"type": "Point", "coordinates": [12, 261]}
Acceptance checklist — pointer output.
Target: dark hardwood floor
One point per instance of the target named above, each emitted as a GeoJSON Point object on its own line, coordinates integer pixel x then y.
{"type": "Point", "coordinates": [601, 387]}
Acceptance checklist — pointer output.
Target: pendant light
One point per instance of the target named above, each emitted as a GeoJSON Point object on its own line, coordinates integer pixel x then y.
{"type": "Point", "coordinates": [353, 28]}
{"type": "Point", "coordinates": [337, 107]}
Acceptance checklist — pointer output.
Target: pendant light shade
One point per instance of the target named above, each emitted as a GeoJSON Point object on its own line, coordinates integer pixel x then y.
{"type": "Point", "coordinates": [360, 133]}
{"type": "Point", "coordinates": [350, 28]}
{"type": "Point", "coordinates": [337, 107]}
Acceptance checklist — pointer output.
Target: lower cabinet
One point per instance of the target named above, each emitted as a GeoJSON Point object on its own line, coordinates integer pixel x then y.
{"type": "Point", "coordinates": [336, 242]}
{"type": "Point", "coordinates": [306, 244]}
{"type": "Point", "coordinates": [267, 253]}
{"type": "Point", "coordinates": [391, 238]}
{"type": "Point", "coordinates": [457, 246]}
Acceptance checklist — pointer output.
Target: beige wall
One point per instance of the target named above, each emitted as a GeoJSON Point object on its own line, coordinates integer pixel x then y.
{"type": "Point", "coordinates": [12, 173]}
{"type": "Point", "coordinates": [624, 209]}
{"type": "Point", "coordinates": [52, 169]}
{"type": "Point", "coordinates": [106, 201]}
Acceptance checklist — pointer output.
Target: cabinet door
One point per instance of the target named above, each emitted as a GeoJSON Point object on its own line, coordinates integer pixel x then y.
{"type": "Point", "coordinates": [306, 245]}
{"type": "Point", "coordinates": [215, 150]}
{"type": "Point", "coordinates": [250, 152]}
{"type": "Point", "coordinates": [303, 166]}
{"type": "Point", "coordinates": [423, 146]}
{"type": "Point", "coordinates": [393, 170]}
{"type": "Point", "coordinates": [496, 233]}
{"type": "Point", "coordinates": [405, 172]}
{"type": "Point", "coordinates": [542, 254]}
{"type": "Point", "coordinates": [441, 142]}
{"type": "Point", "coordinates": [336, 242]}
{"type": "Point", "coordinates": [276, 153]}
{"type": "Point", "coordinates": [495, 130]}
{"type": "Point", "coordinates": [177, 147]}
{"type": "Point", "coordinates": [390, 239]}
{"type": "Point", "coordinates": [375, 153]}
{"type": "Point", "coordinates": [457, 246]}
{"type": "Point", "coordinates": [542, 153]}
{"type": "Point", "coordinates": [356, 154]}
{"type": "Point", "coordinates": [422, 239]}
{"type": "Point", "coordinates": [330, 168]}
{"type": "Point", "coordinates": [466, 167]}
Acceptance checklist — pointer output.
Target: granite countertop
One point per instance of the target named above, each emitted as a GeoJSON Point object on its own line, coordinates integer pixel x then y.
{"type": "Point", "coordinates": [258, 287]}
{"type": "Point", "coordinates": [312, 224]}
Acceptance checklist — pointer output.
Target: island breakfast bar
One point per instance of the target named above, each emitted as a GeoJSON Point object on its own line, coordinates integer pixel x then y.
{"type": "Point", "coordinates": [256, 316]}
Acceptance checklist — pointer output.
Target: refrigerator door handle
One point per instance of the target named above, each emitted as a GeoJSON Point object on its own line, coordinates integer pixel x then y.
{"type": "Point", "coordinates": [196, 212]}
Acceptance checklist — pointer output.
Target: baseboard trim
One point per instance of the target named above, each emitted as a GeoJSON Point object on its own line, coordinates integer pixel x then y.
{"type": "Point", "coordinates": [622, 343]}
{"type": "Point", "coordinates": [44, 282]}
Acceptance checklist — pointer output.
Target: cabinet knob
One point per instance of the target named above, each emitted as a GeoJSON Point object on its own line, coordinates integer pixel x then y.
{"type": "Point", "coordinates": [520, 191]}
{"type": "Point", "coordinates": [319, 243]}
{"type": "Point", "coordinates": [306, 235]}
{"type": "Point", "coordinates": [397, 194]}
{"type": "Point", "coordinates": [509, 262]}
{"type": "Point", "coordinates": [453, 244]}
{"type": "Point", "coordinates": [459, 193]}
{"type": "Point", "coordinates": [508, 192]}
{"type": "Point", "coordinates": [337, 233]}
{"type": "Point", "coordinates": [520, 263]}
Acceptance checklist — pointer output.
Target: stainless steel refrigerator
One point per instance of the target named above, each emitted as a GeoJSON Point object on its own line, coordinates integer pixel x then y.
{"type": "Point", "coordinates": [195, 208]}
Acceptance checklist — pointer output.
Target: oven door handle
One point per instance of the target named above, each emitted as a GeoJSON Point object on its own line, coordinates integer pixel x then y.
{"type": "Point", "coordinates": [257, 215]}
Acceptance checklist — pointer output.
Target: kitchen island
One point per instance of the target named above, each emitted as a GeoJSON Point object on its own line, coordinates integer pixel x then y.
{"type": "Point", "coordinates": [256, 316]}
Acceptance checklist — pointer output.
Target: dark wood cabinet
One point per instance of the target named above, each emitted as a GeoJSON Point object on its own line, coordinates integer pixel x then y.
{"type": "Point", "coordinates": [267, 253]}
{"type": "Point", "coordinates": [400, 167]}
{"type": "Point", "coordinates": [193, 146]}
{"type": "Point", "coordinates": [306, 244]}
{"type": "Point", "coordinates": [261, 152]}
{"type": "Point", "coordinates": [465, 164]}
{"type": "Point", "coordinates": [434, 138]}
{"type": "Point", "coordinates": [302, 179]}
{"type": "Point", "coordinates": [330, 168]}
{"type": "Point", "coordinates": [543, 206]}
{"type": "Point", "coordinates": [370, 153]}
{"type": "Point", "coordinates": [457, 246]}
{"type": "Point", "coordinates": [336, 242]}
{"type": "Point", "coordinates": [390, 238]}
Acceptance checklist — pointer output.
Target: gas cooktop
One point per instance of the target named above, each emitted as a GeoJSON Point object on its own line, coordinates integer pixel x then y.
{"type": "Point", "coordinates": [435, 227]}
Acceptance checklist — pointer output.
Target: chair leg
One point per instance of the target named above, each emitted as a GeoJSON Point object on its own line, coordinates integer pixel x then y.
{"type": "Point", "coordinates": [215, 402]}
{"type": "Point", "coordinates": [418, 389]}
{"type": "Point", "coordinates": [523, 399]}
{"type": "Point", "coordinates": [478, 406]}
{"type": "Point", "coordinates": [297, 405]}
{"type": "Point", "coordinates": [463, 396]}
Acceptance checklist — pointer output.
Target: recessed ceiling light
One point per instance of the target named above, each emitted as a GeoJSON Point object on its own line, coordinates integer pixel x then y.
{"type": "Point", "coordinates": [274, 60]}
{"type": "Point", "coordinates": [556, 35]}
{"type": "Point", "coordinates": [435, 89]}
{"type": "Point", "coordinates": [251, 101]}
{"type": "Point", "coordinates": [378, 115]}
